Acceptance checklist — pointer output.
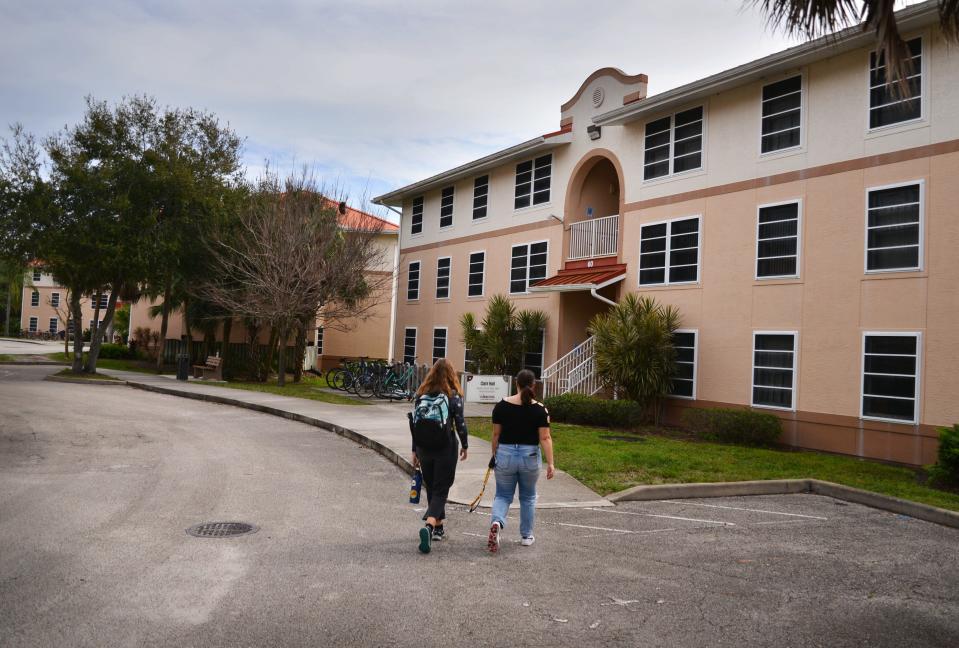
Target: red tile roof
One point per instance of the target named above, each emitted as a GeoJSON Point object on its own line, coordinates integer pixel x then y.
{"type": "Point", "coordinates": [359, 220]}
{"type": "Point", "coordinates": [586, 277]}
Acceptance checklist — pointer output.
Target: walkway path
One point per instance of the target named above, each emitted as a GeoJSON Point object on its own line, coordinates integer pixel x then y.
{"type": "Point", "coordinates": [379, 426]}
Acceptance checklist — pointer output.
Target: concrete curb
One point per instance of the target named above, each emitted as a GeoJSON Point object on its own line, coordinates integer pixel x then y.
{"type": "Point", "coordinates": [789, 487]}
{"type": "Point", "coordinates": [34, 363]}
{"type": "Point", "coordinates": [85, 381]}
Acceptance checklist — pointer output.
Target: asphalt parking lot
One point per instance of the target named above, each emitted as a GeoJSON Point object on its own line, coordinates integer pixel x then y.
{"type": "Point", "coordinates": [98, 484]}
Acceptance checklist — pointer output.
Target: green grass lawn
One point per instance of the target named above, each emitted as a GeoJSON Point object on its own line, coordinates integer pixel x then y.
{"type": "Point", "coordinates": [67, 373]}
{"type": "Point", "coordinates": [5, 357]}
{"type": "Point", "coordinates": [310, 387]}
{"type": "Point", "coordinates": [140, 366]}
{"type": "Point", "coordinates": [608, 466]}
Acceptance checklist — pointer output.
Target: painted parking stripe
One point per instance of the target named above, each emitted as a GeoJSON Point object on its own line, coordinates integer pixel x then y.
{"type": "Point", "coordinates": [669, 517]}
{"type": "Point", "coordinates": [597, 528]}
{"type": "Point", "coordinates": [740, 508]}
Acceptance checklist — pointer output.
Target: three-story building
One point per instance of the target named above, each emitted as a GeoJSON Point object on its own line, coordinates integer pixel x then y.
{"type": "Point", "coordinates": [803, 218]}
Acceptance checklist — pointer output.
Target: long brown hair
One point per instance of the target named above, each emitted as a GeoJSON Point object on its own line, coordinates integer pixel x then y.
{"type": "Point", "coordinates": [441, 378]}
{"type": "Point", "coordinates": [525, 380]}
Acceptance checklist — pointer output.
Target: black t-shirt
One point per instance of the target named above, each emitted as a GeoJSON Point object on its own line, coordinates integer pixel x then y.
{"type": "Point", "coordinates": [521, 423]}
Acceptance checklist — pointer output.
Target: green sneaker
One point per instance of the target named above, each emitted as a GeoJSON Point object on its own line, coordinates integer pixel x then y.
{"type": "Point", "coordinates": [426, 537]}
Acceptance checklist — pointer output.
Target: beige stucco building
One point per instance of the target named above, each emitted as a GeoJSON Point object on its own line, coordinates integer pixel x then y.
{"type": "Point", "coordinates": [802, 220]}
{"type": "Point", "coordinates": [45, 305]}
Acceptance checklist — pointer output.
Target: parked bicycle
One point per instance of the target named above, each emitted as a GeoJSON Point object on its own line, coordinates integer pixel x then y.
{"type": "Point", "coordinates": [396, 382]}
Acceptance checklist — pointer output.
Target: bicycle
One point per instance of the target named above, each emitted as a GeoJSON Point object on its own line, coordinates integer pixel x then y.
{"type": "Point", "coordinates": [395, 384]}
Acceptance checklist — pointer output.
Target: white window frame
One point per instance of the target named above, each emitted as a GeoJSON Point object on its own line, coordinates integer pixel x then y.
{"type": "Point", "coordinates": [37, 275]}
{"type": "Point", "coordinates": [669, 231]}
{"type": "Point", "coordinates": [104, 301]}
{"type": "Point", "coordinates": [542, 354]}
{"type": "Point", "coordinates": [318, 340]}
{"type": "Point", "coordinates": [466, 351]}
{"type": "Point", "coordinates": [672, 128]}
{"type": "Point", "coordinates": [35, 297]}
{"type": "Point", "coordinates": [407, 329]}
{"type": "Point", "coordinates": [923, 89]}
{"type": "Point", "coordinates": [452, 206]}
{"type": "Point", "coordinates": [919, 368]}
{"type": "Point", "coordinates": [799, 222]}
{"type": "Point", "coordinates": [446, 343]}
{"type": "Point", "coordinates": [53, 325]}
{"type": "Point", "coordinates": [529, 245]}
{"type": "Point", "coordinates": [473, 210]}
{"type": "Point", "coordinates": [802, 117]}
{"type": "Point", "coordinates": [419, 280]}
{"type": "Point", "coordinates": [531, 205]}
{"type": "Point", "coordinates": [469, 273]}
{"type": "Point", "coordinates": [422, 200]}
{"type": "Point", "coordinates": [55, 299]}
{"type": "Point", "coordinates": [695, 333]}
{"type": "Point", "coordinates": [33, 324]}
{"type": "Point", "coordinates": [449, 277]}
{"type": "Point", "coordinates": [795, 372]}
{"type": "Point", "coordinates": [922, 227]}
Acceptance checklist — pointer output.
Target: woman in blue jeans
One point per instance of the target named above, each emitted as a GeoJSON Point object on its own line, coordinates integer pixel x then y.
{"type": "Point", "coordinates": [520, 427]}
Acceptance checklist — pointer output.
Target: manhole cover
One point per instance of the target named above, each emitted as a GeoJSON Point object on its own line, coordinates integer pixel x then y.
{"type": "Point", "coordinates": [613, 437]}
{"type": "Point", "coordinates": [221, 529]}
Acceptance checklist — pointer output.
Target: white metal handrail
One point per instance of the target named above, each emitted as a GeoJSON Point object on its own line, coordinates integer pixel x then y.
{"type": "Point", "coordinates": [596, 237]}
{"type": "Point", "coordinates": [574, 372]}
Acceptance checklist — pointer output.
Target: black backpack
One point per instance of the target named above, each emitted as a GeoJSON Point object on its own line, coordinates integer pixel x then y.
{"type": "Point", "coordinates": [430, 421]}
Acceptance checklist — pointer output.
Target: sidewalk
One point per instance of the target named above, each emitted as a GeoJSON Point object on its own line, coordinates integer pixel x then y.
{"type": "Point", "coordinates": [380, 426]}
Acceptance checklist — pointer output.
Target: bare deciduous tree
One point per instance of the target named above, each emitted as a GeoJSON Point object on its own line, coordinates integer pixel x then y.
{"type": "Point", "coordinates": [292, 254]}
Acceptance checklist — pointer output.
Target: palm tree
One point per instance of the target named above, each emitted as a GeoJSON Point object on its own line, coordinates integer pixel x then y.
{"type": "Point", "coordinates": [812, 18]}
{"type": "Point", "coordinates": [499, 344]}
{"type": "Point", "coordinates": [634, 348]}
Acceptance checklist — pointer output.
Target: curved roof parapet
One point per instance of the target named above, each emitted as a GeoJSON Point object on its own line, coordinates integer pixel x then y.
{"type": "Point", "coordinates": [616, 73]}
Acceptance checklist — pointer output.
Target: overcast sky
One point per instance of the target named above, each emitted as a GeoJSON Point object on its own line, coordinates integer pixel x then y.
{"type": "Point", "coordinates": [374, 94]}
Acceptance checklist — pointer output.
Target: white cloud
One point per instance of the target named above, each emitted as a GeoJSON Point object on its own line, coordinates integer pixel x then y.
{"type": "Point", "coordinates": [374, 93]}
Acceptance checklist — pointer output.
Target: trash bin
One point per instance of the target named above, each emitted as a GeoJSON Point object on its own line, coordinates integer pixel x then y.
{"type": "Point", "coordinates": [182, 366]}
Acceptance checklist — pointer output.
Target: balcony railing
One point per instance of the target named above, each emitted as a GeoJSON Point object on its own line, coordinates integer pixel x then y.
{"type": "Point", "coordinates": [596, 237]}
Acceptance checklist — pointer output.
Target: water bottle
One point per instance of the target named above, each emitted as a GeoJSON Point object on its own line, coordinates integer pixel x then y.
{"type": "Point", "coordinates": [415, 487]}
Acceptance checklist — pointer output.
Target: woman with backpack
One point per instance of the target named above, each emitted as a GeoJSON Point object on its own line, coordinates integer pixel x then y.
{"type": "Point", "coordinates": [437, 409]}
{"type": "Point", "coordinates": [520, 428]}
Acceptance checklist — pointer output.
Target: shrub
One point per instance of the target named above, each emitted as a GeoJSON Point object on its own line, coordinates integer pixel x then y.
{"type": "Point", "coordinates": [588, 410]}
{"type": "Point", "coordinates": [744, 427]}
{"type": "Point", "coordinates": [116, 352]}
{"type": "Point", "coordinates": [946, 470]}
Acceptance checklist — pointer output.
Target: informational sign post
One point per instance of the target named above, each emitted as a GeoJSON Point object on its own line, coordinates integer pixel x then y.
{"type": "Point", "coordinates": [486, 389]}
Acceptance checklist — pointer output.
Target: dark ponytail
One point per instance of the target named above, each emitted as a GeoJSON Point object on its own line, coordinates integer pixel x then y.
{"type": "Point", "coordinates": [525, 381]}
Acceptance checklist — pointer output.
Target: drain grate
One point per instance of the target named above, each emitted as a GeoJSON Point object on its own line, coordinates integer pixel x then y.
{"type": "Point", "coordinates": [221, 529]}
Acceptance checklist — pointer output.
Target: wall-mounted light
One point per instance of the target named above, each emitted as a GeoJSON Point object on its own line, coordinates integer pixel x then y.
{"type": "Point", "coordinates": [594, 132]}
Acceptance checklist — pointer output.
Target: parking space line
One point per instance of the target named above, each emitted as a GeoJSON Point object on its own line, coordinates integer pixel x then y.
{"type": "Point", "coordinates": [740, 508]}
{"type": "Point", "coordinates": [596, 528]}
{"type": "Point", "coordinates": [669, 517]}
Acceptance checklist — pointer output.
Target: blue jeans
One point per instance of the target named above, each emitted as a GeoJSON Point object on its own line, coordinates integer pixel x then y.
{"type": "Point", "coordinates": [517, 465]}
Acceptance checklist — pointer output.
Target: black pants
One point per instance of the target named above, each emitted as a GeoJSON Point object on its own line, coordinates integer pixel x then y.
{"type": "Point", "coordinates": [439, 470]}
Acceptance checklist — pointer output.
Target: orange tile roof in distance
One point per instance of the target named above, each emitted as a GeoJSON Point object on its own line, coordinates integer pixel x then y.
{"type": "Point", "coordinates": [582, 277]}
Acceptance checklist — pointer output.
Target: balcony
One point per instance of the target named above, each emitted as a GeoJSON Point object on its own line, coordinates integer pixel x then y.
{"type": "Point", "coordinates": [596, 237]}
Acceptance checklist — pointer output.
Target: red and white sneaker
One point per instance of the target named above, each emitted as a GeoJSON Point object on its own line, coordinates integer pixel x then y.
{"type": "Point", "coordinates": [492, 542]}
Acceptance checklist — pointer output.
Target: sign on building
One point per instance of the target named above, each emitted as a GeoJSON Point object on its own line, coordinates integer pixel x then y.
{"type": "Point", "coordinates": [486, 389]}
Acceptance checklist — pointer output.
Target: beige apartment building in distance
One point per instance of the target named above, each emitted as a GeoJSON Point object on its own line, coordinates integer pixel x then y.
{"type": "Point", "coordinates": [45, 307]}
{"type": "Point", "coordinates": [803, 220]}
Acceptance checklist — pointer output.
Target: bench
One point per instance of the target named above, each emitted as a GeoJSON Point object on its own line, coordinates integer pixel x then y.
{"type": "Point", "coordinates": [211, 369]}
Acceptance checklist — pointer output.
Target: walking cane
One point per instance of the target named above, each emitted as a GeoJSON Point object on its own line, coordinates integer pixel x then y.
{"type": "Point", "coordinates": [476, 501]}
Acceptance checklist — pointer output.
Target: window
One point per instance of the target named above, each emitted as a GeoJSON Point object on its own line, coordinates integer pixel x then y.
{"type": "Point", "coordinates": [35, 298]}
{"type": "Point", "coordinates": [676, 141]}
{"type": "Point", "coordinates": [480, 196]}
{"type": "Point", "coordinates": [528, 266]}
{"type": "Point", "coordinates": [477, 274]}
{"type": "Point", "coordinates": [886, 106]}
{"type": "Point", "coordinates": [409, 345]}
{"type": "Point", "coordinates": [533, 358]}
{"type": "Point", "coordinates": [890, 376]}
{"type": "Point", "coordinates": [416, 223]}
{"type": "Point", "coordinates": [443, 278]}
{"type": "Point", "coordinates": [55, 299]}
{"type": "Point", "coordinates": [782, 115]}
{"type": "Point", "coordinates": [439, 343]}
{"type": "Point", "coordinates": [104, 300]}
{"type": "Point", "coordinates": [33, 324]}
{"type": "Point", "coordinates": [54, 322]}
{"type": "Point", "coordinates": [777, 241]}
{"type": "Point", "coordinates": [672, 246]}
{"type": "Point", "coordinates": [532, 181]}
{"type": "Point", "coordinates": [446, 207]}
{"type": "Point", "coordinates": [319, 340]}
{"type": "Point", "coordinates": [36, 275]}
{"type": "Point", "coordinates": [469, 365]}
{"type": "Point", "coordinates": [894, 228]}
{"type": "Point", "coordinates": [413, 281]}
{"type": "Point", "coordinates": [684, 380]}
{"type": "Point", "coordinates": [774, 368]}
